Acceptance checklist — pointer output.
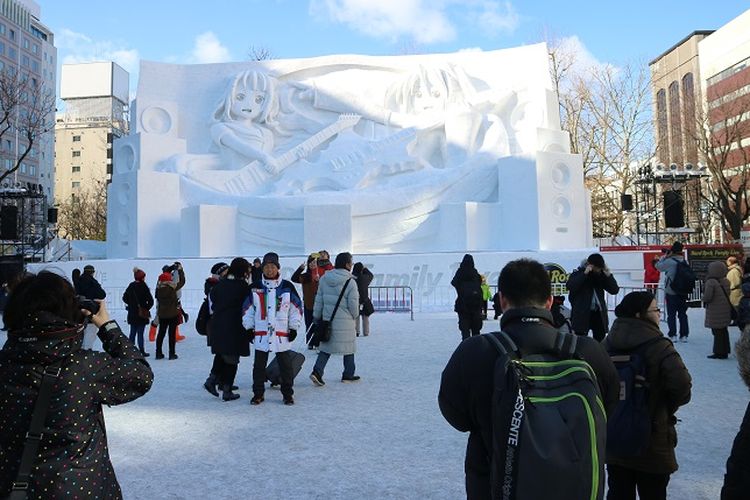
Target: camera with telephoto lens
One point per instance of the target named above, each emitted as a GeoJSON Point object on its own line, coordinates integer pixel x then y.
{"type": "Point", "coordinates": [90, 305]}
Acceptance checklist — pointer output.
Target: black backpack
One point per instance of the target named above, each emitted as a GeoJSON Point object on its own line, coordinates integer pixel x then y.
{"type": "Point", "coordinates": [201, 320]}
{"type": "Point", "coordinates": [470, 294]}
{"type": "Point", "coordinates": [629, 426]}
{"type": "Point", "coordinates": [683, 282]}
{"type": "Point", "coordinates": [548, 424]}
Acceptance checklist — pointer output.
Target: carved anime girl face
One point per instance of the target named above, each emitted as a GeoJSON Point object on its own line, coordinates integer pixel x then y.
{"type": "Point", "coordinates": [247, 103]}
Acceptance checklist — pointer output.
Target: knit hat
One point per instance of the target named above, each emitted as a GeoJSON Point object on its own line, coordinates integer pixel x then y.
{"type": "Point", "coordinates": [634, 303]}
{"type": "Point", "coordinates": [138, 274]}
{"type": "Point", "coordinates": [165, 277]}
{"type": "Point", "coordinates": [677, 247]}
{"type": "Point", "coordinates": [271, 258]}
{"type": "Point", "coordinates": [596, 259]}
{"type": "Point", "coordinates": [219, 268]}
{"type": "Point", "coordinates": [88, 268]}
{"type": "Point", "coordinates": [165, 269]}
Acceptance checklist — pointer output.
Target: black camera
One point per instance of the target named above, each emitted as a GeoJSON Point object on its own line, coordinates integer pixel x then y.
{"type": "Point", "coordinates": [90, 305]}
{"type": "Point", "coordinates": [170, 269]}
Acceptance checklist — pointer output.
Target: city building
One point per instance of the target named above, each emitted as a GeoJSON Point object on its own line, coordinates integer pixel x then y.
{"type": "Point", "coordinates": [96, 113]}
{"type": "Point", "coordinates": [27, 49]}
{"type": "Point", "coordinates": [725, 66]}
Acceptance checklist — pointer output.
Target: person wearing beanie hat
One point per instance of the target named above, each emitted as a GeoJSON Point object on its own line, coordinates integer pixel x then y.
{"type": "Point", "coordinates": [218, 271]}
{"type": "Point", "coordinates": [586, 287]}
{"type": "Point", "coordinates": [718, 307]}
{"type": "Point", "coordinates": [635, 332]}
{"type": "Point", "coordinates": [168, 310]}
{"type": "Point", "coordinates": [88, 286]}
{"type": "Point", "coordinates": [138, 302]}
{"type": "Point", "coordinates": [273, 318]}
{"type": "Point", "coordinates": [676, 303]}
{"type": "Point", "coordinates": [309, 279]}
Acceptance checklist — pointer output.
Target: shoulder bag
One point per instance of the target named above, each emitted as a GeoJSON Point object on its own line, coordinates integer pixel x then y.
{"type": "Point", "coordinates": [323, 330]}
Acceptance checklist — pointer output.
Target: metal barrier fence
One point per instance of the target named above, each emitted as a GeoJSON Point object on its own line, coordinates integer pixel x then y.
{"type": "Point", "coordinates": [392, 299]}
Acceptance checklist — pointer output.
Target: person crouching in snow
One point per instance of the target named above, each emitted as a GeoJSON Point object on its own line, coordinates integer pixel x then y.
{"type": "Point", "coordinates": [273, 318]}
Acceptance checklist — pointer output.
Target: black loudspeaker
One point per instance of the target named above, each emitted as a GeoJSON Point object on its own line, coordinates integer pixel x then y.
{"type": "Point", "coordinates": [674, 210]}
{"type": "Point", "coordinates": [9, 222]}
{"type": "Point", "coordinates": [52, 215]}
{"type": "Point", "coordinates": [626, 202]}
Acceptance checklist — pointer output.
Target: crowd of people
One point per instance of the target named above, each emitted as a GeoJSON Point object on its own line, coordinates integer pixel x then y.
{"type": "Point", "coordinates": [541, 395]}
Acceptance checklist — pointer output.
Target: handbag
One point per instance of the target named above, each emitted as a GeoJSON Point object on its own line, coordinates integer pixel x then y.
{"type": "Point", "coordinates": [20, 486]}
{"type": "Point", "coordinates": [733, 313]}
{"type": "Point", "coordinates": [323, 329]}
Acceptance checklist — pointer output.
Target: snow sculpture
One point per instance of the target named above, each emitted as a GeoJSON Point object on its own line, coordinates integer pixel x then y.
{"type": "Point", "coordinates": [370, 154]}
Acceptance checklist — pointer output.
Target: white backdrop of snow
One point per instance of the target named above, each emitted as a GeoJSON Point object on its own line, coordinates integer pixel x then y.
{"type": "Point", "coordinates": [381, 438]}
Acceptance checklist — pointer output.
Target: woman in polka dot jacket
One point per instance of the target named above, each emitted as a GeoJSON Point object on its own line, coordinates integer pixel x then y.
{"type": "Point", "coordinates": [45, 326]}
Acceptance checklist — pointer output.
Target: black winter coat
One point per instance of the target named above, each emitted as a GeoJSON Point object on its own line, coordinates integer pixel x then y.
{"type": "Point", "coordinates": [466, 273]}
{"type": "Point", "coordinates": [229, 299]}
{"type": "Point", "coordinates": [73, 455]}
{"type": "Point", "coordinates": [581, 287]}
{"type": "Point", "coordinates": [89, 287]}
{"type": "Point", "coordinates": [737, 478]}
{"type": "Point", "coordinates": [137, 294]}
{"type": "Point", "coordinates": [670, 388]}
{"type": "Point", "coordinates": [363, 283]}
{"type": "Point", "coordinates": [466, 387]}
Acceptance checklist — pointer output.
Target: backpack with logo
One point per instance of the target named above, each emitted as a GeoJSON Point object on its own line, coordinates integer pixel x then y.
{"type": "Point", "coordinates": [470, 294]}
{"type": "Point", "coordinates": [629, 426]}
{"type": "Point", "coordinates": [548, 424]}
{"type": "Point", "coordinates": [683, 281]}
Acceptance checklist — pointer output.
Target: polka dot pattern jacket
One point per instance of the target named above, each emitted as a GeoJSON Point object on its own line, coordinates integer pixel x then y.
{"type": "Point", "coordinates": [73, 459]}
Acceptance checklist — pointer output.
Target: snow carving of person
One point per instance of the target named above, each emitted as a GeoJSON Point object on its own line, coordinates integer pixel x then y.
{"type": "Point", "coordinates": [243, 125]}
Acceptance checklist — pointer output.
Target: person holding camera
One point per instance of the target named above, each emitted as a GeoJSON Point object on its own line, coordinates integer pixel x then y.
{"type": "Point", "coordinates": [45, 325]}
{"type": "Point", "coordinates": [168, 310]}
{"type": "Point", "coordinates": [586, 287]}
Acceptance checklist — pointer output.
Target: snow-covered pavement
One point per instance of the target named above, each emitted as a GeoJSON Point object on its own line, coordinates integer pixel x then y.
{"type": "Point", "coordinates": [383, 437]}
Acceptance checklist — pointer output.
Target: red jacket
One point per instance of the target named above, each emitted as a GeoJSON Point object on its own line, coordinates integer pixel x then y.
{"type": "Point", "coordinates": [651, 275]}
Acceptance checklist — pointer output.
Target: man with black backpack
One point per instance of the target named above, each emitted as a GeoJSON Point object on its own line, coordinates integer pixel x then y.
{"type": "Point", "coordinates": [469, 298]}
{"type": "Point", "coordinates": [679, 283]}
{"type": "Point", "coordinates": [530, 400]}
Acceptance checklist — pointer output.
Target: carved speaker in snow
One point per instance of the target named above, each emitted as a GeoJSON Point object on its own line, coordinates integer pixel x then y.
{"type": "Point", "coordinates": [367, 154]}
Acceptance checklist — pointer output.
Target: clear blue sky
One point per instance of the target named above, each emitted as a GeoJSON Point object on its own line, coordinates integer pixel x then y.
{"type": "Point", "coordinates": [189, 31]}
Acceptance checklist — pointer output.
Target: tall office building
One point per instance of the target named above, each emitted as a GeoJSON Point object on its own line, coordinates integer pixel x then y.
{"type": "Point", "coordinates": [27, 47]}
{"type": "Point", "coordinates": [96, 102]}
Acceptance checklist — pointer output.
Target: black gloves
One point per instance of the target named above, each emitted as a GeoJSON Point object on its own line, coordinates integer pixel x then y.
{"type": "Point", "coordinates": [292, 335]}
{"type": "Point", "coordinates": [251, 334]}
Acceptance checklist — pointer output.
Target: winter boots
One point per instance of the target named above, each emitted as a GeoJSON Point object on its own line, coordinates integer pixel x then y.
{"type": "Point", "coordinates": [210, 385]}
{"type": "Point", "coordinates": [228, 395]}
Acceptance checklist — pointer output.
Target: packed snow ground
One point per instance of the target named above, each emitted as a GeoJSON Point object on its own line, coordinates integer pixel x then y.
{"type": "Point", "coordinates": [383, 437]}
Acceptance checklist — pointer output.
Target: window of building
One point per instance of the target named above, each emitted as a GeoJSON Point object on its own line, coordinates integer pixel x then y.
{"type": "Point", "coordinates": [8, 164]}
{"type": "Point", "coordinates": [35, 66]}
{"type": "Point", "coordinates": [76, 169]}
{"type": "Point", "coordinates": [75, 184]}
{"type": "Point", "coordinates": [25, 61]}
{"type": "Point", "coordinates": [23, 168]}
{"type": "Point", "coordinates": [2, 47]}
{"type": "Point", "coordinates": [688, 102]}
{"type": "Point", "coordinates": [12, 34]}
{"type": "Point", "coordinates": [32, 170]}
{"type": "Point", "coordinates": [35, 48]}
{"type": "Point", "coordinates": [662, 126]}
{"type": "Point", "coordinates": [12, 53]}
{"type": "Point", "coordinates": [675, 123]}
{"type": "Point", "coordinates": [2, 29]}
{"type": "Point", "coordinates": [76, 154]}
{"type": "Point", "coordinates": [26, 43]}
{"type": "Point", "coordinates": [76, 138]}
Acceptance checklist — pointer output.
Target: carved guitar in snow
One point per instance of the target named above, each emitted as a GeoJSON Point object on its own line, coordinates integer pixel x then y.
{"type": "Point", "coordinates": [255, 174]}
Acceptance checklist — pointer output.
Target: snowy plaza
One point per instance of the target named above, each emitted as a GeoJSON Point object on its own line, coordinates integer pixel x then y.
{"type": "Point", "coordinates": [383, 437]}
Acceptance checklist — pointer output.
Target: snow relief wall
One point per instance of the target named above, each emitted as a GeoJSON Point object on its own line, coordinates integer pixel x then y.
{"type": "Point", "coordinates": [451, 152]}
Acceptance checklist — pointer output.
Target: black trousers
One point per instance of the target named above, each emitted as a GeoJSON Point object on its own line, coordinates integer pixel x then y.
{"type": "Point", "coordinates": [596, 325]}
{"type": "Point", "coordinates": [285, 369]}
{"type": "Point", "coordinates": [721, 341]}
{"type": "Point", "coordinates": [164, 324]}
{"type": "Point", "coordinates": [470, 324]}
{"type": "Point", "coordinates": [224, 369]}
{"type": "Point", "coordinates": [624, 482]}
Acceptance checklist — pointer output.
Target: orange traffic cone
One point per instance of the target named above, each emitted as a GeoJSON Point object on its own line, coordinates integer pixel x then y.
{"type": "Point", "coordinates": [152, 332]}
{"type": "Point", "coordinates": [177, 335]}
